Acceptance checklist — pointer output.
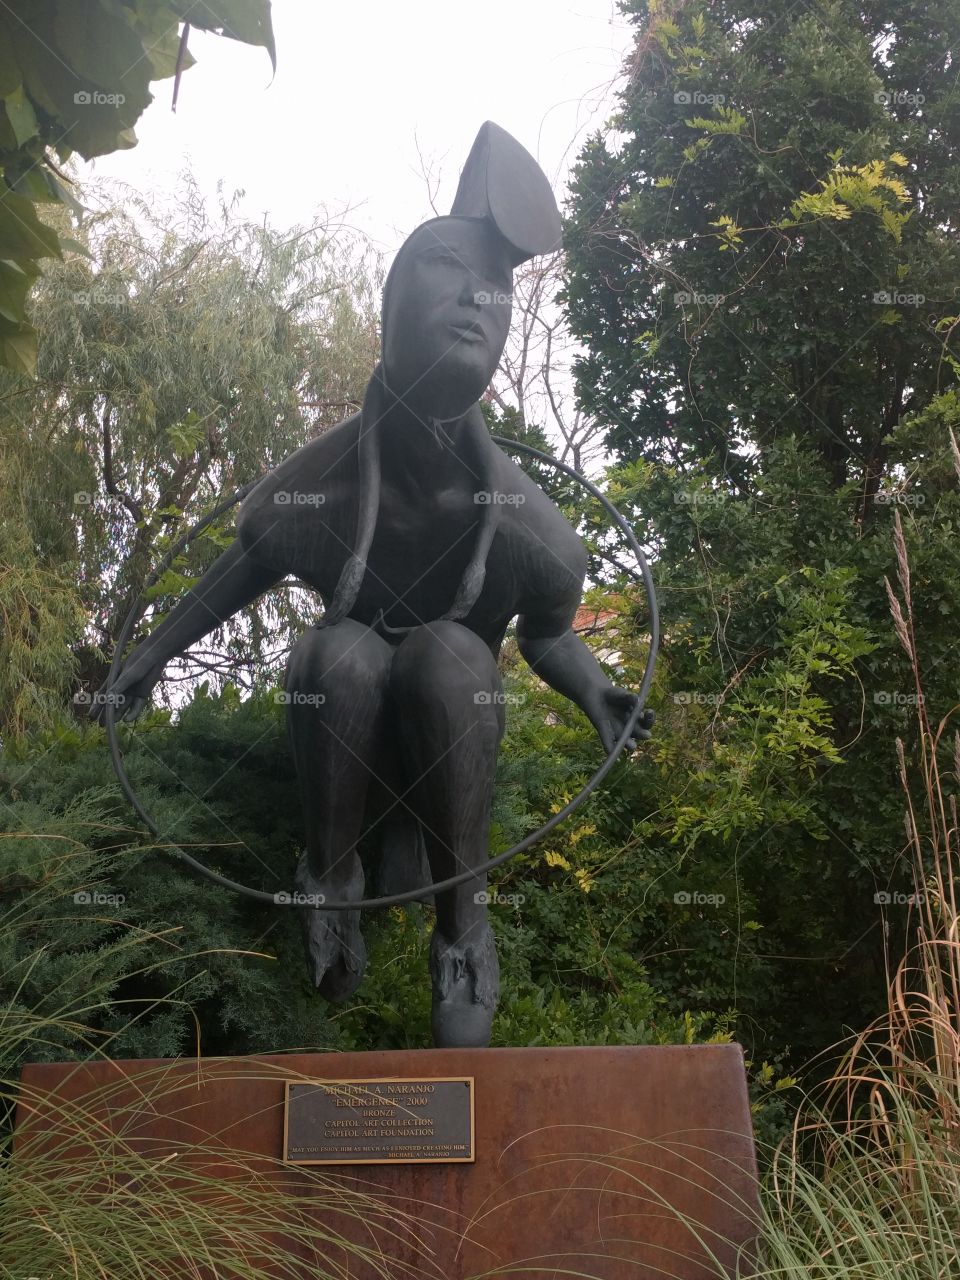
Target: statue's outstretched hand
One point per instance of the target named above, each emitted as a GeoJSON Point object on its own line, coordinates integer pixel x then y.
{"type": "Point", "coordinates": [130, 691]}
{"type": "Point", "coordinates": [609, 716]}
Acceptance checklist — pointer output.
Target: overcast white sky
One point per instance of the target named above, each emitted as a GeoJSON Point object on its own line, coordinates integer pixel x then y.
{"type": "Point", "coordinates": [358, 85]}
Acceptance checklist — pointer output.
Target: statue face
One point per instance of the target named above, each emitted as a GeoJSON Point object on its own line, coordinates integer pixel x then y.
{"type": "Point", "coordinates": [446, 315]}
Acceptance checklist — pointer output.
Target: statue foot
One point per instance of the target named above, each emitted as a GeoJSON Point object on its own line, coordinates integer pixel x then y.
{"type": "Point", "coordinates": [466, 983]}
{"type": "Point", "coordinates": [335, 949]}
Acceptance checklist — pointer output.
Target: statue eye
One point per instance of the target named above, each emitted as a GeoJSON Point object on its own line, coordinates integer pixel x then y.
{"type": "Point", "coordinates": [448, 259]}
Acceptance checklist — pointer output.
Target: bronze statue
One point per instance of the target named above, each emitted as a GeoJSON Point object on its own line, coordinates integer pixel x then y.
{"type": "Point", "coordinates": [424, 540]}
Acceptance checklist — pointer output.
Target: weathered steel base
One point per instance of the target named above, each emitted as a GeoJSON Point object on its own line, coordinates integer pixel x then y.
{"type": "Point", "coordinates": [589, 1161]}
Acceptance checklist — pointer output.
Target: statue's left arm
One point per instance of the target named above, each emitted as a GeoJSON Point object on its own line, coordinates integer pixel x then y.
{"type": "Point", "coordinates": [558, 656]}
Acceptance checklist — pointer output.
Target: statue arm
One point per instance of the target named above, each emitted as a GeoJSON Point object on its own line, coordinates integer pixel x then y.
{"type": "Point", "coordinates": [232, 581]}
{"type": "Point", "coordinates": [556, 654]}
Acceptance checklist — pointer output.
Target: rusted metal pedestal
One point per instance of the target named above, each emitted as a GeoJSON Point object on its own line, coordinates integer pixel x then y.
{"type": "Point", "coordinates": [616, 1163]}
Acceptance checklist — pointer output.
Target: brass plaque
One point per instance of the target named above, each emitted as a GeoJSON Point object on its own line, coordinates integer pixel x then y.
{"type": "Point", "coordinates": [389, 1121]}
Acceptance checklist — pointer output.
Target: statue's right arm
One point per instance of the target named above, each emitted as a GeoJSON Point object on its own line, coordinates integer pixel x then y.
{"type": "Point", "coordinates": [232, 581]}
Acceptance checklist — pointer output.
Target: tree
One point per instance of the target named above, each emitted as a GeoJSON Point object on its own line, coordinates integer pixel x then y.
{"type": "Point", "coordinates": [764, 270]}
{"type": "Point", "coordinates": [74, 77]}
{"type": "Point", "coordinates": [179, 361]}
{"type": "Point", "coordinates": [769, 248]}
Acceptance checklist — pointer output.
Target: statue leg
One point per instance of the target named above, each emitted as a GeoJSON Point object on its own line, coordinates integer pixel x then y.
{"type": "Point", "coordinates": [444, 698]}
{"type": "Point", "coordinates": [336, 684]}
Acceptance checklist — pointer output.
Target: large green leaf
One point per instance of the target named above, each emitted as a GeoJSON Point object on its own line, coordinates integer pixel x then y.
{"type": "Point", "coordinates": [20, 115]}
{"type": "Point", "coordinates": [22, 234]}
{"type": "Point", "coordinates": [18, 347]}
{"type": "Point", "coordinates": [75, 77]}
{"type": "Point", "coordinates": [246, 20]}
{"type": "Point", "coordinates": [15, 284]}
{"type": "Point", "coordinates": [158, 24]}
{"type": "Point", "coordinates": [10, 77]}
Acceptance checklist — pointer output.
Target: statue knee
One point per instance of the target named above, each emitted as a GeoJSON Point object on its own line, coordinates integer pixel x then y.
{"type": "Point", "coordinates": [343, 656]}
{"type": "Point", "coordinates": [444, 661]}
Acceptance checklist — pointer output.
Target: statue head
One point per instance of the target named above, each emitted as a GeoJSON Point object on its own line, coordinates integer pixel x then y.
{"type": "Point", "coordinates": [446, 315]}
{"type": "Point", "coordinates": [447, 300]}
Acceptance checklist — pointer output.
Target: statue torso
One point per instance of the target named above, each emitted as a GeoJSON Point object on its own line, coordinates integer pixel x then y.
{"type": "Point", "coordinates": [301, 520]}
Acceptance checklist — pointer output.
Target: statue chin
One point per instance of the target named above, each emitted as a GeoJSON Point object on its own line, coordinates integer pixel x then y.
{"type": "Point", "coordinates": [442, 393]}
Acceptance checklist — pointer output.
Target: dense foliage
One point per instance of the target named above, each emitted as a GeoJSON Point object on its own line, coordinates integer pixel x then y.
{"type": "Point", "coordinates": [764, 272]}
{"type": "Point", "coordinates": [75, 78]}
{"type": "Point", "coordinates": [184, 353]}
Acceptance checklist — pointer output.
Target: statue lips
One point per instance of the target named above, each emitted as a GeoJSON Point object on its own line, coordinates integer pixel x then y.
{"type": "Point", "coordinates": [472, 330]}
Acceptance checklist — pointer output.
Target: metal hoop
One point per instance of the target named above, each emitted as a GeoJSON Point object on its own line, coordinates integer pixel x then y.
{"type": "Point", "coordinates": [411, 895]}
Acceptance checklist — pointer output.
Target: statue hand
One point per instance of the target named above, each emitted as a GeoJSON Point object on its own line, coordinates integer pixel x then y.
{"type": "Point", "coordinates": [130, 691]}
{"type": "Point", "coordinates": [613, 708]}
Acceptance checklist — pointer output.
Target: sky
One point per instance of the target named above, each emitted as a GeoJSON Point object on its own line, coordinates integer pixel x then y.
{"type": "Point", "coordinates": [363, 90]}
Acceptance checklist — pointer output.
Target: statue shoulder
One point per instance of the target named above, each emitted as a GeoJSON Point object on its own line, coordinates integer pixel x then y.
{"type": "Point", "coordinates": [536, 521]}
{"type": "Point", "coordinates": [296, 487]}
{"type": "Point", "coordinates": [547, 555]}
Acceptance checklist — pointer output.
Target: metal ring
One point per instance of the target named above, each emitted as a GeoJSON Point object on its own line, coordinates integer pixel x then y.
{"type": "Point", "coordinates": [411, 895]}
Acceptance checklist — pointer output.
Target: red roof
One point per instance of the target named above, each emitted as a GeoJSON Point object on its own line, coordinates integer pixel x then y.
{"type": "Point", "coordinates": [588, 618]}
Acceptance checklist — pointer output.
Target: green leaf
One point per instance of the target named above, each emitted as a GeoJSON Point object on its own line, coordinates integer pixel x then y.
{"type": "Point", "coordinates": [246, 20]}
{"type": "Point", "coordinates": [10, 77]}
{"type": "Point", "coordinates": [22, 234]}
{"type": "Point", "coordinates": [18, 348]}
{"type": "Point", "coordinates": [159, 27]}
{"type": "Point", "coordinates": [20, 115]}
